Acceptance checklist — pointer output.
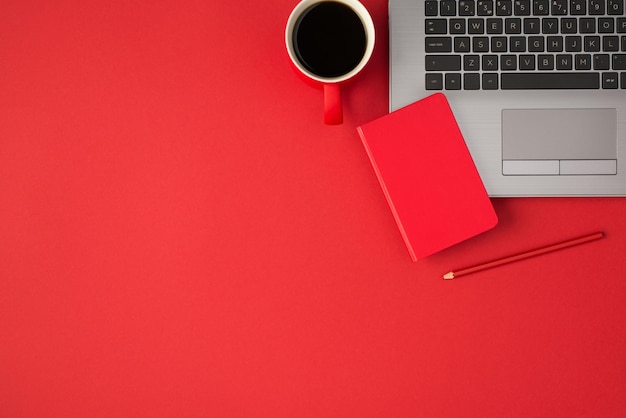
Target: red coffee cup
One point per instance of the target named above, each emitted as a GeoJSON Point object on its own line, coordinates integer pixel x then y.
{"type": "Point", "coordinates": [329, 43]}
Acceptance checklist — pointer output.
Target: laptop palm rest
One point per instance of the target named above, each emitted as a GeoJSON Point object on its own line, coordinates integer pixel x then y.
{"type": "Point", "coordinates": [559, 142]}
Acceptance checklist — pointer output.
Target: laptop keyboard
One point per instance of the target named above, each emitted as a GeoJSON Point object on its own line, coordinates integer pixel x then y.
{"type": "Point", "coordinates": [525, 44]}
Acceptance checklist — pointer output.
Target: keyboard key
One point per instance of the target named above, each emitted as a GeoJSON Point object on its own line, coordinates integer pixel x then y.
{"type": "Point", "coordinates": [508, 62]}
{"type": "Point", "coordinates": [476, 26]}
{"type": "Point", "coordinates": [457, 26]}
{"type": "Point", "coordinates": [559, 7]}
{"type": "Point", "coordinates": [532, 26]}
{"type": "Point", "coordinates": [471, 62]}
{"type": "Point", "coordinates": [573, 44]}
{"type": "Point", "coordinates": [555, 44]}
{"type": "Point", "coordinates": [471, 81]}
{"type": "Point", "coordinates": [619, 61]}
{"type": "Point", "coordinates": [606, 25]}
{"type": "Point", "coordinates": [504, 7]}
{"type": "Point", "coordinates": [453, 81]}
{"type": "Point", "coordinates": [484, 8]}
{"type": "Point", "coordinates": [623, 80]}
{"type": "Point", "coordinates": [601, 62]}
{"type": "Point", "coordinates": [480, 44]}
{"type": "Point", "coordinates": [596, 7]}
{"type": "Point", "coordinates": [546, 62]}
{"type": "Point", "coordinates": [536, 44]}
{"type": "Point", "coordinates": [564, 62]}
{"type": "Point", "coordinates": [431, 8]}
{"type": "Point", "coordinates": [521, 7]}
{"type": "Point", "coordinates": [610, 44]}
{"type": "Point", "coordinates": [578, 7]}
{"type": "Point", "coordinates": [443, 62]}
{"type": "Point", "coordinates": [541, 7]}
{"type": "Point", "coordinates": [448, 8]}
{"type": "Point", "coordinates": [434, 81]}
{"type": "Point", "coordinates": [621, 25]}
{"type": "Point", "coordinates": [615, 7]}
{"type": "Point", "coordinates": [582, 62]}
{"type": "Point", "coordinates": [610, 80]}
{"type": "Point", "coordinates": [569, 25]}
{"type": "Point", "coordinates": [513, 25]}
{"type": "Point", "coordinates": [490, 81]}
{"type": "Point", "coordinates": [587, 25]}
{"type": "Point", "coordinates": [542, 81]}
{"type": "Point", "coordinates": [462, 44]}
{"type": "Point", "coordinates": [490, 62]}
{"type": "Point", "coordinates": [517, 44]}
{"type": "Point", "coordinates": [499, 44]}
{"type": "Point", "coordinates": [527, 62]}
{"type": "Point", "coordinates": [466, 8]}
{"type": "Point", "coordinates": [550, 25]}
{"type": "Point", "coordinates": [592, 44]}
{"type": "Point", "coordinates": [438, 44]}
{"type": "Point", "coordinates": [495, 26]}
{"type": "Point", "coordinates": [436, 26]}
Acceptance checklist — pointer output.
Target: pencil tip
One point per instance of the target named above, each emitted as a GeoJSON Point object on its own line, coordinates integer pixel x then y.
{"type": "Point", "coordinates": [448, 276]}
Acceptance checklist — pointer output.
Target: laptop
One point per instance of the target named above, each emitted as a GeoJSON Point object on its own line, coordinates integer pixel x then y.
{"type": "Point", "coordinates": [538, 87]}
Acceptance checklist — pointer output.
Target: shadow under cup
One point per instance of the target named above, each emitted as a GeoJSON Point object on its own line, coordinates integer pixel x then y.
{"type": "Point", "coordinates": [330, 42]}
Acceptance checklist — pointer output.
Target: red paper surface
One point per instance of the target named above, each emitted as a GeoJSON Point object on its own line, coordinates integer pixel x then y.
{"type": "Point", "coordinates": [180, 235]}
{"type": "Point", "coordinates": [428, 176]}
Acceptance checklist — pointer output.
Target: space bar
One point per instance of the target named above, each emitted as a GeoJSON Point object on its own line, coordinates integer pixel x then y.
{"type": "Point", "coordinates": [530, 81]}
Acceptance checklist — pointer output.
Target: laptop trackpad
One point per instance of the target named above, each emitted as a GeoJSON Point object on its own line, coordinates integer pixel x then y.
{"type": "Point", "coordinates": [559, 141]}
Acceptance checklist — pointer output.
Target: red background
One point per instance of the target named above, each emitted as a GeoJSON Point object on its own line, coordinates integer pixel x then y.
{"type": "Point", "coordinates": [180, 235]}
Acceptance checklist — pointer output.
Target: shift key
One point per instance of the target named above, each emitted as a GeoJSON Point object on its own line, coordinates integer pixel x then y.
{"type": "Point", "coordinates": [443, 62]}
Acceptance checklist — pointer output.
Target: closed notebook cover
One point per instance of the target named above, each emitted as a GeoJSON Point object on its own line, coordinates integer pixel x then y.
{"type": "Point", "coordinates": [428, 176]}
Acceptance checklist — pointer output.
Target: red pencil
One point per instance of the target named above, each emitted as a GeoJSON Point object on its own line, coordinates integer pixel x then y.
{"type": "Point", "coordinates": [524, 255]}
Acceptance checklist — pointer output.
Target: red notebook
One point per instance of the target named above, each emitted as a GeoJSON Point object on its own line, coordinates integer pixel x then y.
{"type": "Point", "coordinates": [428, 176]}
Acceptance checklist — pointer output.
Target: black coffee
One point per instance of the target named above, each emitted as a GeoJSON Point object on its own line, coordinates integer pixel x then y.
{"type": "Point", "coordinates": [329, 39]}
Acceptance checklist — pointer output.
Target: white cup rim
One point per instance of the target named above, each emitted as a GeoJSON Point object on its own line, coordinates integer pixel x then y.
{"type": "Point", "coordinates": [366, 20]}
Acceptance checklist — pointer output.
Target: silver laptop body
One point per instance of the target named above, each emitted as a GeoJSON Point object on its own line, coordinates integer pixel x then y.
{"type": "Point", "coordinates": [535, 125]}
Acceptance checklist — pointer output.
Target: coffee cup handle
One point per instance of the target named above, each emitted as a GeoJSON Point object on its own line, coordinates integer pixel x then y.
{"type": "Point", "coordinates": [333, 115]}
